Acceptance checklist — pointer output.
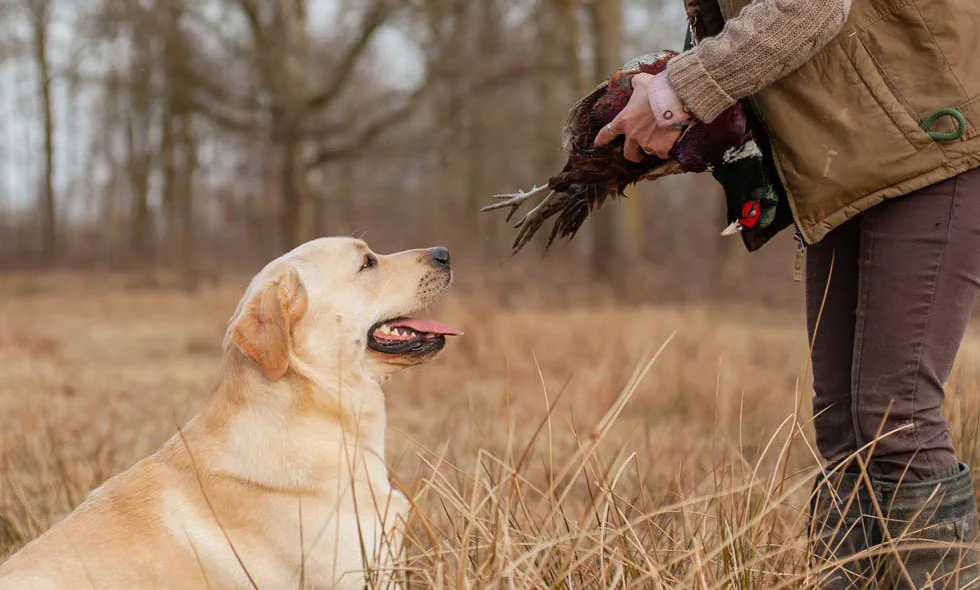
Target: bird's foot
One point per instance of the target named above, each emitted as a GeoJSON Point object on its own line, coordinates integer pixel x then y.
{"type": "Point", "coordinates": [531, 222]}
{"type": "Point", "coordinates": [514, 200]}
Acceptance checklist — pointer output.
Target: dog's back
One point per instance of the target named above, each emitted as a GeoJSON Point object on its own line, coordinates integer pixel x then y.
{"type": "Point", "coordinates": [83, 550]}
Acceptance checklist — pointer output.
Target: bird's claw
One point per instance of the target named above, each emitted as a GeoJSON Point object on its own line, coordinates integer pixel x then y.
{"type": "Point", "coordinates": [514, 200]}
{"type": "Point", "coordinates": [531, 222]}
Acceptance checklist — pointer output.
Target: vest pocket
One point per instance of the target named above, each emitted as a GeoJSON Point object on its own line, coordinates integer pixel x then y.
{"type": "Point", "coordinates": [879, 88]}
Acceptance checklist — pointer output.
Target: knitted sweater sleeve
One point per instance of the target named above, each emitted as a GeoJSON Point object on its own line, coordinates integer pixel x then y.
{"type": "Point", "coordinates": [765, 42]}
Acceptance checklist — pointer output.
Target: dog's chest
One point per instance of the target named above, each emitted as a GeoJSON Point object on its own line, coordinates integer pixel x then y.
{"type": "Point", "coordinates": [300, 542]}
{"type": "Point", "coordinates": [341, 537]}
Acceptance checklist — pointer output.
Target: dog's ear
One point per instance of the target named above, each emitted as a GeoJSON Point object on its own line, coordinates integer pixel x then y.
{"type": "Point", "coordinates": [264, 328]}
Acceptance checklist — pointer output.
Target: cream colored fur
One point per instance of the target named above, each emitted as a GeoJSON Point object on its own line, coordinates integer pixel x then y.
{"type": "Point", "coordinates": [284, 465]}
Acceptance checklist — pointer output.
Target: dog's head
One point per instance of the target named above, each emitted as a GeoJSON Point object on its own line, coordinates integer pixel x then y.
{"type": "Point", "coordinates": [333, 304]}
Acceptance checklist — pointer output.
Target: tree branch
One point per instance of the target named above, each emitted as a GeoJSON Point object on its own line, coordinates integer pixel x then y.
{"type": "Point", "coordinates": [252, 16]}
{"type": "Point", "coordinates": [226, 121]}
{"type": "Point", "coordinates": [214, 31]}
{"type": "Point", "coordinates": [375, 129]}
{"type": "Point", "coordinates": [375, 17]}
{"type": "Point", "coordinates": [369, 133]}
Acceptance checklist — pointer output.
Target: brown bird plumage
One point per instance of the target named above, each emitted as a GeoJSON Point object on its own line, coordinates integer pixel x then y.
{"type": "Point", "coordinates": [591, 174]}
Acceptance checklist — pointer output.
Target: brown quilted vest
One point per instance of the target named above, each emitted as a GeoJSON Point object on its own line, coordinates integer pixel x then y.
{"type": "Point", "coordinates": [847, 127]}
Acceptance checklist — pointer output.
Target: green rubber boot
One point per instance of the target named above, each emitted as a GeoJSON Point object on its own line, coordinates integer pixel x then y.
{"type": "Point", "coordinates": [842, 526]}
{"type": "Point", "coordinates": [930, 529]}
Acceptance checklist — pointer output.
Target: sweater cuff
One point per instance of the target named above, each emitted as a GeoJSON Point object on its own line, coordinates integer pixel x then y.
{"type": "Point", "coordinates": [668, 108]}
{"type": "Point", "coordinates": [696, 88]}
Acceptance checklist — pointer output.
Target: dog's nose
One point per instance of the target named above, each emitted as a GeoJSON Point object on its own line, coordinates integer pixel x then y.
{"type": "Point", "coordinates": [440, 257]}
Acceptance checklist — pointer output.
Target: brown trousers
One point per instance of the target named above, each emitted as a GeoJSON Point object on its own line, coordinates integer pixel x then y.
{"type": "Point", "coordinates": [893, 289]}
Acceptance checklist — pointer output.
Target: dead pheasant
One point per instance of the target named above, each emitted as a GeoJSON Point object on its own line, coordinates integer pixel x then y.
{"type": "Point", "coordinates": [592, 174]}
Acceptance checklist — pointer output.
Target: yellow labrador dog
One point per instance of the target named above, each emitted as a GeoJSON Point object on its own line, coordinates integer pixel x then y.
{"type": "Point", "coordinates": [280, 481]}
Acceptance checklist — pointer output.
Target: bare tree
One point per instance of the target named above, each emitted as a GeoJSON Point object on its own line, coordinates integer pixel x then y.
{"type": "Point", "coordinates": [610, 250]}
{"type": "Point", "coordinates": [570, 44]}
{"type": "Point", "coordinates": [39, 18]}
{"type": "Point", "coordinates": [178, 150]}
{"type": "Point", "coordinates": [211, 133]}
{"type": "Point", "coordinates": [483, 119]}
{"type": "Point", "coordinates": [138, 129]}
{"type": "Point", "coordinates": [559, 42]}
{"type": "Point", "coordinates": [297, 113]}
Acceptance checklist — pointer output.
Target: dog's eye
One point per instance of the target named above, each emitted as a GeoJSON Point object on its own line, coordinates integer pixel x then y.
{"type": "Point", "coordinates": [369, 262]}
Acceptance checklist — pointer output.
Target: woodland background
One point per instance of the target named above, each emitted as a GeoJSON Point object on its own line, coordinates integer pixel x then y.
{"type": "Point", "coordinates": [189, 139]}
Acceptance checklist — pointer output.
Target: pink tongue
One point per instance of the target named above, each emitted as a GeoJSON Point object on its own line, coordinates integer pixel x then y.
{"type": "Point", "coordinates": [425, 327]}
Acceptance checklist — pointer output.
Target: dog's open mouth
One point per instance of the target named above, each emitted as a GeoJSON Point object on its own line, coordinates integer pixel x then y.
{"type": "Point", "coordinates": [409, 336]}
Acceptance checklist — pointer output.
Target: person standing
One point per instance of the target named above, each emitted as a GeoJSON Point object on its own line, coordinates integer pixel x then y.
{"type": "Point", "coordinates": [871, 110]}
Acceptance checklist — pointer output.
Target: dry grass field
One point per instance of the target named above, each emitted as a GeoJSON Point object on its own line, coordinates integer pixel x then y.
{"type": "Point", "coordinates": [573, 446]}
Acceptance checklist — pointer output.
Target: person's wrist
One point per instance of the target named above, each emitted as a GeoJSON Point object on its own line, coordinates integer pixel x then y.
{"type": "Point", "coordinates": [668, 110]}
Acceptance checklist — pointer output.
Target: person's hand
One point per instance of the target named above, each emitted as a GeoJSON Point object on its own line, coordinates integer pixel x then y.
{"type": "Point", "coordinates": [652, 120]}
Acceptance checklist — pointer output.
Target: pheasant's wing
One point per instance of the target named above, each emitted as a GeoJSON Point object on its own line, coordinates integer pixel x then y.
{"type": "Point", "coordinates": [578, 115]}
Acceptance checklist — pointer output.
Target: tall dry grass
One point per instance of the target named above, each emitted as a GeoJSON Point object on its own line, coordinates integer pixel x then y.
{"type": "Point", "coordinates": [581, 446]}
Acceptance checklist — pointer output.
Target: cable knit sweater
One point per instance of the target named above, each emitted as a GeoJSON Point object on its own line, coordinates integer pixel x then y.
{"type": "Point", "coordinates": [766, 41]}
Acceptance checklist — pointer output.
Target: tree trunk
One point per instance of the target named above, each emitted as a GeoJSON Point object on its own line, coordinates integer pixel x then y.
{"type": "Point", "coordinates": [168, 164]}
{"type": "Point", "coordinates": [173, 109]}
{"type": "Point", "coordinates": [141, 224]}
{"type": "Point", "coordinates": [482, 126]}
{"type": "Point", "coordinates": [178, 151]}
{"type": "Point", "coordinates": [578, 72]}
{"type": "Point", "coordinates": [40, 11]}
{"type": "Point", "coordinates": [291, 232]}
{"type": "Point", "coordinates": [610, 256]}
{"type": "Point", "coordinates": [138, 130]}
{"type": "Point", "coordinates": [570, 45]}
{"type": "Point", "coordinates": [558, 43]}
{"type": "Point", "coordinates": [446, 24]}
{"type": "Point", "coordinates": [295, 223]}
{"type": "Point", "coordinates": [191, 270]}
